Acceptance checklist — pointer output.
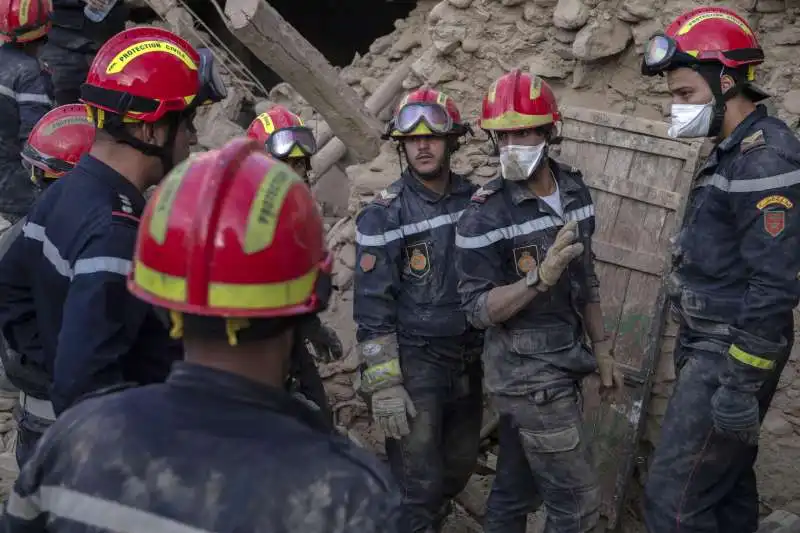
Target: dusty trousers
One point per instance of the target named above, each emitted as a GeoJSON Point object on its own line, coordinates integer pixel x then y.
{"type": "Point", "coordinates": [700, 481]}
{"type": "Point", "coordinates": [544, 457]}
{"type": "Point", "coordinates": [434, 462]}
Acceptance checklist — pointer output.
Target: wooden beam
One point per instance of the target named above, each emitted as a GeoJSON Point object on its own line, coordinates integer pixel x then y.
{"type": "Point", "coordinates": [279, 46]}
{"type": "Point", "coordinates": [334, 150]}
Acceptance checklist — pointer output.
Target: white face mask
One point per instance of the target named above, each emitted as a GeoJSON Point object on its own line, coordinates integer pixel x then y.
{"type": "Point", "coordinates": [691, 120]}
{"type": "Point", "coordinates": [518, 162]}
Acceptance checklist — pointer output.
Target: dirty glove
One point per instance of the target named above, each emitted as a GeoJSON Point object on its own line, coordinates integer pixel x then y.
{"type": "Point", "coordinates": [391, 409]}
{"type": "Point", "coordinates": [324, 342]}
{"type": "Point", "coordinates": [564, 250]}
{"type": "Point", "coordinates": [736, 415]}
{"type": "Point", "coordinates": [611, 377]}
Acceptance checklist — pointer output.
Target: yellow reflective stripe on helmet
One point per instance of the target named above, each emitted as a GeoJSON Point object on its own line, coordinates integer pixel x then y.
{"type": "Point", "coordinates": [172, 288]}
{"type": "Point", "coordinates": [164, 200]}
{"type": "Point", "coordinates": [513, 120]}
{"type": "Point", "coordinates": [24, 10]}
{"type": "Point", "coordinates": [262, 295]}
{"type": "Point", "coordinates": [697, 19]}
{"type": "Point", "coordinates": [266, 121]}
{"type": "Point", "coordinates": [750, 359]}
{"type": "Point", "coordinates": [266, 208]}
{"type": "Point", "coordinates": [442, 99]}
{"type": "Point", "coordinates": [33, 35]}
{"type": "Point", "coordinates": [229, 295]}
{"type": "Point", "coordinates": [130, 53]}
{"type": "Point", "coordinates": [536, 87]}
{"type": "Point", "coordinates": [296, 153]}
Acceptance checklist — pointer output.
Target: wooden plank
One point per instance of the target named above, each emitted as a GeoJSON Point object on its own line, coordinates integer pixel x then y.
{"type": "Point", "coordinates": [634, 191]}
{"type": "Point", "coordinates": [623, 139]}
{"type": "Point", "coordinates": [644, 126]}
{"type": "Point", "coordinates": [279, 46]}
{"type": "Point", "coordinates": [647, 263]}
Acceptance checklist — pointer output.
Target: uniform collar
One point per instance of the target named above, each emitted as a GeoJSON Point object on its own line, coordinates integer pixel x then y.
{"type": "Point", "coordinates": [743, 129]}
{"type": "Point", "coordinates": [566, 185]}
{"type": "Point", "coordinates": [237, 389]}
{"type": "Point", "coordinates": [130, 198]}
{"type": "Point", "coordinates": [458, 184]}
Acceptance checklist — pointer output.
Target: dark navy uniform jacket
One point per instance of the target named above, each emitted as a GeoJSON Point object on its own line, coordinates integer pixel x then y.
{"type": "Point", "coordinates": [26, 95]}
{"type": "Point", "coordinates": [737, 261]}
{"type": "Point", "coordinates": [405, 280]}
{"type": "Point", "coordinates": [72, 265]}
{"type": "Point", "coordinates": [503, 234]}
{"type": "Point", "coordinates": [207, 451]}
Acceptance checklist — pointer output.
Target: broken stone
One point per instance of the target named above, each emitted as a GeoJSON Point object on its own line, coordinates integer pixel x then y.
{"type": "Point", "coordinates": [570, 14]}
{"type": "Point", "coordinates": [512, 2]}
{"type": "Point", "coordinates": [787, 37]}
{"type": "Point", "coordinates": [370, 84]}
{"type": "Point", "coordinates": [180, 21]}
{"type": "Point", "coordinates": [442, 11]}
{"type": "Point", "coordinates": [470, 46]}
{"type": "Point", "coordinates": [770, 6]}
{"type": "Point", "coordinates": [486, 172]}
{"type": "Point", "coordinates": [776, 424]}
{"type": "Point", "coordinates": [643, 31]}
{"type": "Point", "coordinates": [447, 37]}
{"type": "Point", "coordinates": [601, 39]}
{"type": "Point", "coordinates": [564, 36]}
{"type": "Point", "coordinates": [380, 45]}
{"type": "Point", "coordinates": [550, 66]}
{"type": "Point", "coordinates": [407, 41]}
{"type": "Point", "coordinates": [791, 101]}
{"type": "Point", "coordinates": [351, 76]}
{"type": "Point", "coordinates": [219, 132]}
{"type": "Point", "coordinates": [411, 82]}
{"type": "Point", "coordinates": [381, 63]}
{"type": "Point", "coordinates": [636, 10]}
{"type": "Point", "coordinates": [461, 4]}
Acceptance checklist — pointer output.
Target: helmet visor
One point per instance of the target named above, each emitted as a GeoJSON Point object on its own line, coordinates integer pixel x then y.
{"type": "Point", "coordinates": [50, 164]}
{"type": "Point", "coordinates": [281, 143]}
{"type": "Point", "coordinates": [434, 116]}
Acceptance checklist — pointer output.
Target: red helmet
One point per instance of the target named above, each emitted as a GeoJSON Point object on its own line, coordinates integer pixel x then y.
{"type": "Point", "coordinates": [705, 34]}
{"type": "Point", "coordinates": [232, 233]}
{"type": "Point", "coordinates": [58, 140]}
{"type": "Point", "coordinates": [519, 101]}
{"type": "Point", "coordinates": [145, 72]}
{"type": "Point", "coordinates": [23, 21]}
{"type": "Point", "coordinates": [283, 134]}
{"type": "Point", "coordinates": [426, 111]}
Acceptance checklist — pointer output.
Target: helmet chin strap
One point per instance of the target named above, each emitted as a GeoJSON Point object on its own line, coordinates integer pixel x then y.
{"type": "Point", "coordinates": [713, 74]}
{"type": "Point", "coordinates": [115, 127]}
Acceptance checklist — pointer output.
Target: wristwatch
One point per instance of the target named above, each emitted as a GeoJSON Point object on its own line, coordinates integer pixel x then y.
{"type": "Point", "coordinates": [532, 280]}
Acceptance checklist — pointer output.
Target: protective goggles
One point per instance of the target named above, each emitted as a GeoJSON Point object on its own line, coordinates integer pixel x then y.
{"type": "Point", "coordinates": [434, 116]}
{"type": "Point", "coordinates": [282, 143]}
{"type": "Point", "coordinates": [661, 53]}
{"type": "Point", "coordinates": [212, 89]}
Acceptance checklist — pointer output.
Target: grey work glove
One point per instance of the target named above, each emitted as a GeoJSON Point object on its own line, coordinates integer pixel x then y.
{"type": "Point", "coordinates": [391, 409]}
{"type": "Point", "coordinates": [564, 250]}
{"type": "Point", "coordinates": [612, 380]}
{"type": "Point", "coordinates": [736, 415]}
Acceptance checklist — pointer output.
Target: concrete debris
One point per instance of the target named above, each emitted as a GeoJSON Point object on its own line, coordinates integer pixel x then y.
{"type": "Point", "coordinates": [601, 38]}
{"type": "Point", "coordinates": [570, 14]}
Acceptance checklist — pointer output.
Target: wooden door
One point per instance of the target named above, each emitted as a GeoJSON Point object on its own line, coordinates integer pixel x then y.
{"type": "Point", "coordinates": [640, 180]}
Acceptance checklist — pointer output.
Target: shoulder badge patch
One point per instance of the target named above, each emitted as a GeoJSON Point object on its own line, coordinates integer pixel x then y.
{"type": "Point", "coordinates": [774, 200]}
{"type": "Point", "coordinates": [482, 194]}
{"type": "Point", "coordinates": [367, 262]}
{"type": "Point", "coordinates": [752, 141]}
{"type": "Point", "coordinates": [385, 197]}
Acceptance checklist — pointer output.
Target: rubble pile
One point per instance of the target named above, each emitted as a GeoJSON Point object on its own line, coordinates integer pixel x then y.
{"type": "Point", "coordinates": [589, 51]}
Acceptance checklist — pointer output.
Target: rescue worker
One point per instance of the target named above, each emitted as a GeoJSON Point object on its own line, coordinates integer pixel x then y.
{"type": "Point", "coordinates": [25, 97]}
{"type": "Point", "coordinates": [55, 145]}
{"type": "Point", "coordinates": [232, 245]}
{"type": "Point", "coordinates": [421, 359]}
{"type": "Point", "coordinates": [143, 89]}
{"type": "Point", "coordinates": [286, 138]}
{"type": "Point", "coordinates": [734, 279]}
{"type": "Point", "coordinates": [527, 276]}
{"type": "Point", "coordinates": [72, 43]}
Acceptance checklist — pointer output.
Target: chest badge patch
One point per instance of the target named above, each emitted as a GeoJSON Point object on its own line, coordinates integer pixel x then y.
{"type": "Point", "coordinates": [774, 222]}
{"type": "Point", "coordinates": [525, 259]}
{"type": "Point", "coordinates": [418, 259]}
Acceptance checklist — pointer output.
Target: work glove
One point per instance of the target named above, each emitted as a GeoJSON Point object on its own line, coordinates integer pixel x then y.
{"type": "Point", "coordinates": [612, 380]}
{"type": "Point", "coordinates": [564, 250]}
{"type": "Point", "coordinates": [391, 409]}
{"type": "Point", "coordinates": [736, 415]}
